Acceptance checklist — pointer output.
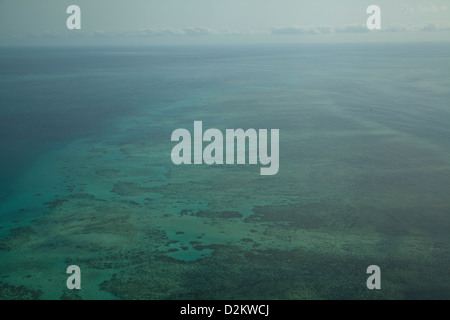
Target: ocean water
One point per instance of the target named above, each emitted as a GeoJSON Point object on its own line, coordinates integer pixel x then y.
{"type": "Point", "coordinates": [87, 178]}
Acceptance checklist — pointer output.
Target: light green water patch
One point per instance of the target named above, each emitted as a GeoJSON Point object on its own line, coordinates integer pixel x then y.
{"type": "Point", "coordinates": [44, 270]}
{"type": "Point", "coordinates": [105, 172]}
{"type": "Point", "coordinates": [39, 189]}
{"type": "Point", "coordinates": [76, 231]}
{"type": "Point", "coordinates": [190, 236]}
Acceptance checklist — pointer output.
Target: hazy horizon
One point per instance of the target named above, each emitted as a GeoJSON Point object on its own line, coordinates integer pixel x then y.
{"type": "Point", "coordinates": [200, 21]}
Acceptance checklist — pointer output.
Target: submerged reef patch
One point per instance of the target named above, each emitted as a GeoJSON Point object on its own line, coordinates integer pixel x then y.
{"type": "Point", "coordinates": [107, 173]}
{"type": "Point", "coordinates": [232, 272]}
{"type": "Point", "coordinates": [218, 214]}
{"type": "Point", "coordinates": [293, 215]}
{"type": "Point", "coordinates": [17, 238]}
{"type": "Point", "coordinates": [70, 295]}
{"type": "Point", "coordinates": [129, 189]}
{"type": "Point", "coordinates": [307, 216]}
{"type": "Point", "coordinates": [10, 292]}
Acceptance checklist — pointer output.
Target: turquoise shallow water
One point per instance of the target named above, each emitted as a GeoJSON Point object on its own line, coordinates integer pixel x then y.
{"type": "Point", "coordinates": [87, 177]}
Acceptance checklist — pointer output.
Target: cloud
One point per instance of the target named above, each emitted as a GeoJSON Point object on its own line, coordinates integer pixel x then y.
{"type": "Point", "coordinates": [304, 30]}
{"type": "Point", "coordinates": [353, 28]}
{"type": "Point", "coordinates": [308, 30]}
{"type": "Point", "coordinates": [156, 32]}
{"type": "Point", "coordinates": [301, 30]}
{"type": "Point", "coordinates": [427, 27]}
{"type": "Point", "coordinates": [142, 33]}
{"type": "Point", "coordinates": [430, 27]}
{"type": "Point", "coordinates": [152, 32]}
{"type": "Point", "coordinates": [356, 28]}
{"type": "Point", "coordinates": [198, 31]}
{"type": "Point", "coordinates": [205, 32]}
{"type": "Point", "coordinates": [401, 28]}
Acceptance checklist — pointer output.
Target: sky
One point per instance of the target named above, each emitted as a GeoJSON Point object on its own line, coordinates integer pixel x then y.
{"type": "Point", "coordinates": [191, 21]}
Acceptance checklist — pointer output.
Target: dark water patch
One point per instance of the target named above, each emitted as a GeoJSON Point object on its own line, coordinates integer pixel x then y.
{"type": "Point", "coordinates": [11, 292]}
{"type": "Point", "coordinates": [186, 212]}
{"type": "Point", "coordinates": [111, 223]}
{"type": "Point", "coordinates": [319, 215]}
{"type": "Point", "coordinates": [107, 173]}
{"type": "Point", "coordinates": [386, 219]}
{"type": "Point", "coordinates": [300, 216]}
{"type": "Point", "coordinates": [400, 221]}
{"type": "Point", "coordinates": [428, 292]}
{"type": "Point", "coordinates": [84, 196]}
{"type": "Point", "coordinates": [131, 203]}
{"type": "Point", "coordinates": [21, 231]}
{"type": "Point", "coordinates": [129, 189]}
{"type": "Point", "coordinates": [234, 273]}
{"type": "Point", "coordinates": [17, 237]}
{"type": "Point", "coordinates": [100, 150]}
{"type": "Point", "coordinates": [54, 204]}
{"type": "Point", "coordinates": [218, 214]}
{"type": "Point", "coordinates": [70, 295]}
